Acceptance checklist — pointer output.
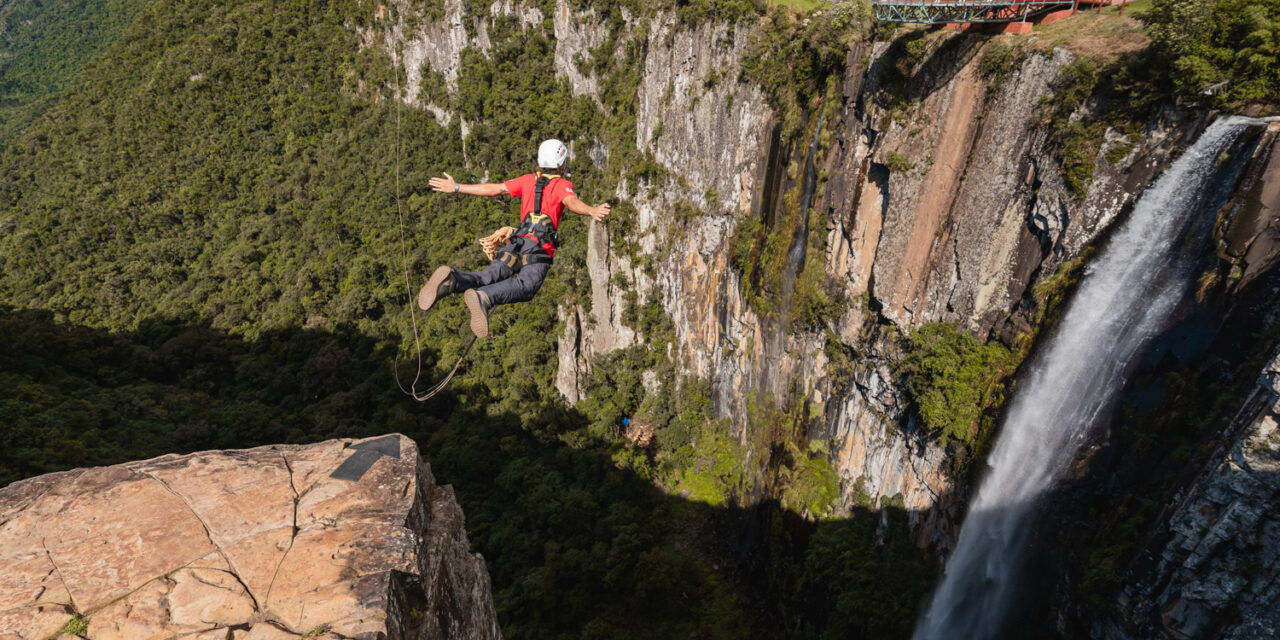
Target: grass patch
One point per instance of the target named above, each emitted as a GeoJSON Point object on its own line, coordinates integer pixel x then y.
{"type": "Point", "coordinates": [1002, 56]}
{"type": "Point", "coordinates": [1076, 141]}
{"type": "Point", "coordinates": [898, 162]}
{"type": "Point", "coordinates": [802, 6]}
{"type": "Point", "coordinates": [76, 626]}
{"type": "Point", "coordinates": [1051, 292]}
{"type": "Point", "coordinates": [1104, 37]}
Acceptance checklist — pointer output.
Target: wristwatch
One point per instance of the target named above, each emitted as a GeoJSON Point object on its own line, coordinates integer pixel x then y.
{"type": "Point", "coordinates": [456, 186]}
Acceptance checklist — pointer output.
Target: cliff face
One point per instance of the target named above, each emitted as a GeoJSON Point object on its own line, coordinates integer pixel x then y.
{"type": "Point", "coordinates": [1169, 517]}
{"type": "Point", "coordinates": [1215, 570]}
{"type": "Point", "coordinates": [977, 210]}
{"type": "Point", "coordinates": [710, 130]}
{"type": "Point", "coordinates": [257, 543]}
{"type": "Point", "coordinates": [941, 189]}
{"type": "Point", "coordinates": [948, 211]}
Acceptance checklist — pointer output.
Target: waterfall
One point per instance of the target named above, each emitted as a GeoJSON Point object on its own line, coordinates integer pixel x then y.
{"type": "Point", "coordinates": [1125, 296]}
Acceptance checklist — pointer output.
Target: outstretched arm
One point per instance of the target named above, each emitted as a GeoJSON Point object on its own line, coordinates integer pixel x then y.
{"type": "Point", "coordinates": [447, 184]}
{"type": "Point", "coordinates": [597, 213]}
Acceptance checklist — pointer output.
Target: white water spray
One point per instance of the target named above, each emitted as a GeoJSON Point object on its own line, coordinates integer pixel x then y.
{"type": "Point", "coordinates": [1125, 296]}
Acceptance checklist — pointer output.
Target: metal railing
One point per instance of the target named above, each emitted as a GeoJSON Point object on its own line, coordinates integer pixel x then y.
{"type": "Point", "coordinates": [964, 11]}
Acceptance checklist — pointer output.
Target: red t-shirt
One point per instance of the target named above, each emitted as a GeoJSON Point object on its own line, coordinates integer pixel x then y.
{"type": "Point", "coordinates": [553, 196]}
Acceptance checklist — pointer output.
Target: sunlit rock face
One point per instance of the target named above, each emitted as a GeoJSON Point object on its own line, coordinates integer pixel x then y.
{"type": "Point", "coordinates": [256, 543]}
{"type": "Point", "coordinates": [948, 211]}
{"type": "Point", "coordinates": [959, 231]}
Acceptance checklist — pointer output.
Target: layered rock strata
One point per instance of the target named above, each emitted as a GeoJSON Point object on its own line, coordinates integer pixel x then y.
{"type": "Point", "coordinates": [948, 209]}
{"type": "Point", "coordinates": [1218, 574]}
{"type": "Point", "coordinates": [951, 212]}
{"type": "Point", "coordinates": [245, 545]}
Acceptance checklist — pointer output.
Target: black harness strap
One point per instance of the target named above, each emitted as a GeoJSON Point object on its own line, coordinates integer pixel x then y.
{"type": "Point", "coordinates": [537, 192]}
{"type": "Point", "coordinates": [543, 230]}
{"type": "Point", "coordinates": [515, 262]}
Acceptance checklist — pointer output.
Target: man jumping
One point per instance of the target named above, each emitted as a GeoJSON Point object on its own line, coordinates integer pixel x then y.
{"type": "Point", "coordinates": [519, 267]}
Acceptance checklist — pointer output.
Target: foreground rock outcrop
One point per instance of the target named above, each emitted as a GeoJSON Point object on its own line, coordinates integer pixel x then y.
{"type": "Point", "coordinates": [243, 545]}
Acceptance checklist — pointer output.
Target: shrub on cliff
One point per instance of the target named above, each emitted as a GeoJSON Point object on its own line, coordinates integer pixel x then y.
{"type": "Point", "coordinates": [955, 378]}
{"type": "Point", "coordinates": [1227, 48]}
{"type": "Point", "coordinates": [791, 59]}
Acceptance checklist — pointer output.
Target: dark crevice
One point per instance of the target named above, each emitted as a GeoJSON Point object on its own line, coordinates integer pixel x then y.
{"type": "Point", "coordinates": [57, 570]}
{"type": "Point", "coordinates": [293, 535]}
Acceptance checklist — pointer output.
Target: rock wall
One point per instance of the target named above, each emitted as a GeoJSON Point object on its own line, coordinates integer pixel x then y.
{"type": "Point", "coordinates": [974, 209]}
{"type": "Point", "coordinates": [958, 233]}
{"type": "Point", "coordinates": [942, 192]}
{"type": "Point", "coordinates": [1165, 526]}
{"type": "Point", "coordinates": [698, 120]}
{"type": "Point", "coordinates": [1218, 574]}
{"type": "Point", "coordinates": [950, 211]}
{"type": "Point", "coordinates": [245, 545]}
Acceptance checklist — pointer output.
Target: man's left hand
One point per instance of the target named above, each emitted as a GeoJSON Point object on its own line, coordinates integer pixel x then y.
{"type": "Point", "coordinates": [600, 212]}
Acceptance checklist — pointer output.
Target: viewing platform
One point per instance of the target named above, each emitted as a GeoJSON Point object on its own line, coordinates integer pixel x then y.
{"type": "Point", "coordinates": [1014, 16]}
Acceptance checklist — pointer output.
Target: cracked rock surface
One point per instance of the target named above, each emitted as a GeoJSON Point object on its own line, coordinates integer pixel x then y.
{"type": "Point", "coordinates": [249, 544]}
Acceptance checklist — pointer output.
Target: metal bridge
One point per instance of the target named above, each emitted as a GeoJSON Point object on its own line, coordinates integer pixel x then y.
{"type": "Point", "coordinates": [973, 11]}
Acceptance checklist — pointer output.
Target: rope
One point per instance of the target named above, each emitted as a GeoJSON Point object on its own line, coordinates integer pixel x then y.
{"type": "Point", "coordinates": [412, 391]}
{"type": "Point", "coordinates": [439, 386]}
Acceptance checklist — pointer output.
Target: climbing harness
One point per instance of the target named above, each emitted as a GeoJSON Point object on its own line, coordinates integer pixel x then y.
{"type": "Point", "coordinates": [538, 225]}
{"type": "Point", "coordinates": [515, 261]}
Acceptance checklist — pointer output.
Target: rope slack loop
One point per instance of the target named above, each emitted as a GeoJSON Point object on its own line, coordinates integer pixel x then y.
{"type": "Point", "coordinates": [412, 391]}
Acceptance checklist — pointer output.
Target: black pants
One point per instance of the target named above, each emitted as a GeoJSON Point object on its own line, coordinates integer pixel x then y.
{"type": "Point", "coordinates": [500, 283]}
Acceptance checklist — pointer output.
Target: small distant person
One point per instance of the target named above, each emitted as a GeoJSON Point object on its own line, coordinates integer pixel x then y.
{"type": "Point", "coordinates": [519, 267]}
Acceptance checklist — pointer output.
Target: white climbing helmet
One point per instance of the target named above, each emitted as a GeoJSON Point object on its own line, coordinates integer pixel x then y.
{"type": "Point", "coordinates": [552, 154]}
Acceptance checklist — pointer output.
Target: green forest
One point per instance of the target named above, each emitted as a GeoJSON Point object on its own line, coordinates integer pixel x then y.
{"type": "Point", "coordinates": [44, 45]}
{"type": "Point", "coordinates": [1225, 51]}
{"type": "Point", "coordinates": [200, 249]}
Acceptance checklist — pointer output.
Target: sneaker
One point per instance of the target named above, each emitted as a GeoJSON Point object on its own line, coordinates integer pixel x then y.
{"type": "Point", "coordinates": [479, 305]}
{"type": "Point", "coordinates": [439, 286]}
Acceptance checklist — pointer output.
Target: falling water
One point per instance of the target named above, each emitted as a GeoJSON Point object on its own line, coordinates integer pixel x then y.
{"type": "Point", "coordinates": [1125, 296]}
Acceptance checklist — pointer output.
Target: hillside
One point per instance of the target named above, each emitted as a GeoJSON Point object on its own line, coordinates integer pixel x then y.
{"type": "Point", "coordinates": [203, 242]}
{"type": "Point", "coordinates": [834, 246]}
{"type": "Point", "coordinates": [45, 45]}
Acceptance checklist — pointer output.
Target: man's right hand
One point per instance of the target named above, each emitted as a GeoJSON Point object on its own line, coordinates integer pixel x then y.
{"type": "Point", "coordinates": [446, 183]}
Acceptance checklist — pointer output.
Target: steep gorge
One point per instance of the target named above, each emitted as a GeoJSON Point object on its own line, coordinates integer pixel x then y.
{"type": "Point", "coordinates": [801, 202]}
{"type": "Point", "coordinates": [942, 197]}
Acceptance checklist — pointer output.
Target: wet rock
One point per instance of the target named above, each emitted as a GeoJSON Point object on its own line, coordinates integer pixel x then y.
{"type": "Point", "coordinates": [1218, 574]}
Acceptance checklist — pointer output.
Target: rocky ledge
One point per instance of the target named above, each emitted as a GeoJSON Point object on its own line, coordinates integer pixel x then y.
{"type": "Point", "coordinates": [341, 539]}
{"type": "Point", "coordinates": [1217, 572]}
